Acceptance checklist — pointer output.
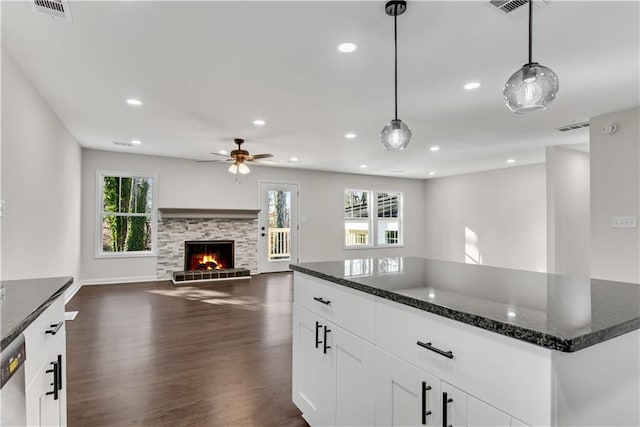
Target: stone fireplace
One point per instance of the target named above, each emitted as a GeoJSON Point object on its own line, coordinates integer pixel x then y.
{"type": "Point", "coordinates": [178, 226]}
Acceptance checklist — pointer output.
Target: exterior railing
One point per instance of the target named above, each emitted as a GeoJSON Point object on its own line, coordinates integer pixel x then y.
{"type": "Point", "coordinates": [279, 243]}
{"type": "Point", "coordinates": [355, 238]}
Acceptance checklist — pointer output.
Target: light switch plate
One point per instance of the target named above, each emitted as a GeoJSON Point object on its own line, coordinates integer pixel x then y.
{"type": "Point", "coordinates": [624, 221]}
{"type": "Point", "coordinates": [1, 208]}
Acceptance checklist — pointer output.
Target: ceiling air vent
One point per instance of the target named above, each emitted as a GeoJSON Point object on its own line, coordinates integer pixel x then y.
{"type": "Point", "coordinates": [573, 127]}
{"type": "Point", "coordinates": [54, 8]}
{"type": "Point", "coordinates": [123, 144]}
{"type": "Point", "coordinates": [513, 8]}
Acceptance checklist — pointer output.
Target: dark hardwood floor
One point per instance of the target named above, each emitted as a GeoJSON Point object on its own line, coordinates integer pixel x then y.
{"type": "Point", "coordinates": [198, 355]}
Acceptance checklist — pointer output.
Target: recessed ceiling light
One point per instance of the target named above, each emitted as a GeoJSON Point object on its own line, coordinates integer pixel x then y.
{"type": "Point", "coordinates": [350, 135]}
{"type": "Point", "coordinates": [434, 148]}
{"type": "Point", "coordinates": [136, 142]}
{"type": "Point", "coordinates": [511, 160]}
{"type": "Point", "coordinates": [222, 152]}
{"type": "Point", "coordinates": [347, 47]}
{"type": "Point", "coordinates": [472, 85]}
{"type": "Point", "coordinates": [293, 159]}
{"type": "Point", "coordinates": [133, 101]}
{"type": "Point", "coordinates": [511, 313]}
{"type": "Point", "coordinates": [432, 173]}
{"type": "Point", "coordinates": [363, 166]}
{"type": "Point", "coordinates": [259, 122]}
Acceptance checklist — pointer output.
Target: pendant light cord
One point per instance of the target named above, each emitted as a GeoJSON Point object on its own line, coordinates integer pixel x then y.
{"type": "Point", "coordinates": [530, 30]}
{"type": "Point", "coordinates": [395, 43]}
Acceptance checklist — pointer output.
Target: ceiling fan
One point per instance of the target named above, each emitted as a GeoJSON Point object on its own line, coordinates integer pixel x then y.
{"type": "Point", "coordinates": [239, 157]}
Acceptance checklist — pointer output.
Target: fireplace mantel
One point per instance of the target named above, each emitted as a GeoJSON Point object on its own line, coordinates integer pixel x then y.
{"type": "Point", "coordinates": [208, 213]}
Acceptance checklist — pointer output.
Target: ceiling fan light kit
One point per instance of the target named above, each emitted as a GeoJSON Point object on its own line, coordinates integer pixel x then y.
{"type": "Point", "coordinates": [532, 87]}
{"type": "Point", "coordinates": [396, 134]}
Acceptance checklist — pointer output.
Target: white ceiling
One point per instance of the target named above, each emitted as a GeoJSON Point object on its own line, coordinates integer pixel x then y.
{"type": "Point", "coordinates": [206, 70]}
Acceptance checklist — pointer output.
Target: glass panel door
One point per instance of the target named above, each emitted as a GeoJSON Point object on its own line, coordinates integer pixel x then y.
{"type": "Point", "coordinates": [278, 226]}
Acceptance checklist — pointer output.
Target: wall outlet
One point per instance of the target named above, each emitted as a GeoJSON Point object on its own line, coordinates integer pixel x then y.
{"type": "Point", "coordinates": [624, 221]}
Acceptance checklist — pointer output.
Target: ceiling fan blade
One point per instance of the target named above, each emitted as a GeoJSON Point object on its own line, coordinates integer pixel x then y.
{"type": "Point", "coordinates": [209, 161]}
{"type": "Point", "coordinates": [218, 154]}
{"type": "Point", "coordinates": [266, 162]}
{"type": "Point", "coordinates": [260, 156]}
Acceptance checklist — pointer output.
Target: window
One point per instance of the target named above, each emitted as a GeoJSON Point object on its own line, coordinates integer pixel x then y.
{"type": "Point", "coordinates": [126, 224]}
{"type": "Point", "coordinates": [361, 217]}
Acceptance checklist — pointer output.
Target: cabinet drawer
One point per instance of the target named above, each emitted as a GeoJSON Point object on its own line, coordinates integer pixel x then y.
{"type": "Point", "coordinates": [38, 341]}
{"type": "Point", "coordinates": [353, 310]}
{"type": "Point", "coordinates": [512, 375]}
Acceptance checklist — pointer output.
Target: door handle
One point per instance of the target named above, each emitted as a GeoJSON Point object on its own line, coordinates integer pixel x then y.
{"type": "Point", "coordinates": [54, 328]}
{"type": "Point", "coordinates": [318, 326]}
{"type": "Point", "coordinates": [428, 346]}
{"type": "Point", "coordinates": [425, 412]}
{"type": "Point", "coordinates": [59, 366]}
{"type": "Point", "coordinates": [445, 403]}
{"type": "Point", "coordinates": [326, 347]}
{"type": "Point", "coordinates": [53, 371]}
{"type": "Point", "coordinates": [322, 301]}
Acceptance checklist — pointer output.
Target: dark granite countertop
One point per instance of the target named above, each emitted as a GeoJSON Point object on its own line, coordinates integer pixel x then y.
{"type": "Point", "coordinates": [548, 310]}
{"type": "Point", "coordinates": [24, 300]}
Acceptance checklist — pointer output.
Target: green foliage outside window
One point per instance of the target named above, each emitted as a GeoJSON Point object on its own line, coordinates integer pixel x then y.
{"type": "Point", "coordinates": [126, 213]}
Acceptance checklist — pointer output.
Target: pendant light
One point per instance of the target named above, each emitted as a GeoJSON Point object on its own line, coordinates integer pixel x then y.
{"type": "Point", "coordinates": [239, 167]}
{"type": "Point", "coordinates": [396, 135]}
{"type": "Point", "coordinates": [532, 87]}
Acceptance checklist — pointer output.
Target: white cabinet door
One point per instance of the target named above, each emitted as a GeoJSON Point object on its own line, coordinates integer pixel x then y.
{"type": "Point", "coordinates": [313, 369]}
{"type": "Point", "coordinates": [355, 374]}
{"type": "Point", "coordinates": [479, 414]}
{"type": "Point", "coordinates": [454, 411]}
{"type": "Point", "coordinates": [405, 395]}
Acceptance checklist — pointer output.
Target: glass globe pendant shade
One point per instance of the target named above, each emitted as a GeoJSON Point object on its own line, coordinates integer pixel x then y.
{"type": "Point", "coordinates": [243, 169]}
{"type": "Point", "coordinates": [530, 89]}
{"type": "Point", "coordinates": [396, 135]}
{"type": "Point", "coordinates": [239, 167]}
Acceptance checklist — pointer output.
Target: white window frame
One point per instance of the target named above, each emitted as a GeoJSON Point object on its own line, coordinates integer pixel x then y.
{"type": "Point", "coordinates": [99, 252]}
{"type": "Point", "coordinates": [372, 222]}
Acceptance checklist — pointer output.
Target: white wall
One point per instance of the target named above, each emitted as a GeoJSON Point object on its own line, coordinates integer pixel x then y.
{"type": "Point", "coordinates": [187, 184]}
{"type": "Point", "coordinates": [568, 219]}
{"type": "Point", "coordinates": [505, 208]}
{"type": "Point", "coordinates": [615, 191]}
{"type": "Point", "coordinates": [41, 164]}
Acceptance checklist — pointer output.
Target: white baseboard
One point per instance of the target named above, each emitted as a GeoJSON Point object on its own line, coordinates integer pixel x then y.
{"type": "Point", "coordinates": [71, 292]}
{"type": "Point", "coordinates": [73, 289]}
{"type": "Point", "coordinates": [119, 280]}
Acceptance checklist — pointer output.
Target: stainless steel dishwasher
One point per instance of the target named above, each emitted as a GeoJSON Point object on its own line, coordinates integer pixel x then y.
{"type": "Point", "coordinates": [13, 409]}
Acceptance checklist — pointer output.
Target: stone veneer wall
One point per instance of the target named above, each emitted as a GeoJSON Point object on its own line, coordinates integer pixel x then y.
{"type": "Point", "coordinates": [172, 233]}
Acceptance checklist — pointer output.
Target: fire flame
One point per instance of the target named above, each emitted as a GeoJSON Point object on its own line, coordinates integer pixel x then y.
{"type": "Point", "coordinates": [209, 261]}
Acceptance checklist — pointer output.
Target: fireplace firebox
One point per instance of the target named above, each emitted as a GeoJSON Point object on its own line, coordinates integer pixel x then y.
{"type": "Point", "coordinates": [203, 255]}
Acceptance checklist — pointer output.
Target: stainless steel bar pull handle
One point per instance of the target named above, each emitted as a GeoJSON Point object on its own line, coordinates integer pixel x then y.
{"type": "Point", "coordinates": [428, 346]}
{"type": "Point", "coordinates": [425, 412]}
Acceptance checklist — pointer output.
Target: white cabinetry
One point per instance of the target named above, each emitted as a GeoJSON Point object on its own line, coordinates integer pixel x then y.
{"type": "Point", "coordinates": [45, 370]}
{"type": "Point", "coordinates": [409, 396]}
{"type": "Point", "coordinates": [333, 365]}
{"type": "Point", "coordinates": [388, 364]}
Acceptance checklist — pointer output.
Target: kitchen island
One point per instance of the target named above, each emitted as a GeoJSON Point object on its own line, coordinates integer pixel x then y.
{"type": "Point", "coordinates": [32, 313]}
{"type": "Point", "coordinates": [413, 341]}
